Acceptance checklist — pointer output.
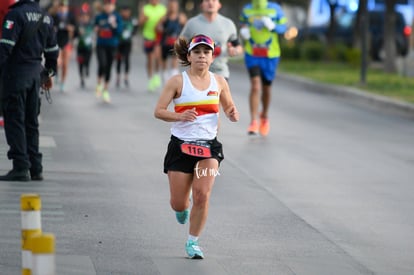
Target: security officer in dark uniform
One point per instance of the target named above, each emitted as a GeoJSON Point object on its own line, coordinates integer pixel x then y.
{"type": "Point", "coordinates": [21, 65]}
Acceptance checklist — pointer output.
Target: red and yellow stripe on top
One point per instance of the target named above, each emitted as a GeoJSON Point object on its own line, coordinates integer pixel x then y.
{"type": "Point", "coordinates": [202, 107]}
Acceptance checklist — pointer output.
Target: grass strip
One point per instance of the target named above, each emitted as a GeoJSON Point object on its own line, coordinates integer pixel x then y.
{"type": "Point", "coordinates": [377, 82]}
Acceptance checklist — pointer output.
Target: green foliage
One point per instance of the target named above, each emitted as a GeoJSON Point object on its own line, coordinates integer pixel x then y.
{"type": "Point", "coordinates": [337, 52]}
{"type": "Point", "coordinates": [312, 50]}
{"type": "Point", "coordinates": [340, 73]}
{"type": "Point", "coordinates": [290, 50]}
{"type": "Point", "coordinates": [353, 57]}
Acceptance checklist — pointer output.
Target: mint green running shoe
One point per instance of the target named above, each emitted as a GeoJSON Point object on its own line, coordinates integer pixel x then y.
{"type": "Point", "coordinates": [150, 85]}
{"type": "Point", "coordinates": [193, 250]}
{"type": "Point", "coordinates": [106, 97]}
{"type": "Point", "coordinates": [182, 217]}
{"type": "Point", "coordinates": [157, 81]}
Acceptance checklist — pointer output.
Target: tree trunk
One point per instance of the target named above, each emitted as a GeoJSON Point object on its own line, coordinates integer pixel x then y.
{"type": "Point", "coordinates": [332, 25]}
{"type": "Point", "coordinates": [363, 35]}
{"type": "Point", "coordinates": [390, 46]}
{"type": "Point", "coordinates": [361, 31]}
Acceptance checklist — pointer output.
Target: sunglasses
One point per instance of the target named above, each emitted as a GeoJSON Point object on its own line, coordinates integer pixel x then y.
{"type": "Point", "coordinates": [201, 39]}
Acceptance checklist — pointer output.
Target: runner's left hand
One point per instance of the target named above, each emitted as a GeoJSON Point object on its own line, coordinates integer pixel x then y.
{"type": "Point", "coordinates": [233, 114]}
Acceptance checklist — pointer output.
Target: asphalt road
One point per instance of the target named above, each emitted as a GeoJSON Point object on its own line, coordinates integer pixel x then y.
{"type": "Point", "coordinates": [329, 191]}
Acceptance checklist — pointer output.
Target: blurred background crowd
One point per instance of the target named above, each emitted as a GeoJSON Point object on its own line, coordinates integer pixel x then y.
{"type": "Point", "coordinates": [326, 22]}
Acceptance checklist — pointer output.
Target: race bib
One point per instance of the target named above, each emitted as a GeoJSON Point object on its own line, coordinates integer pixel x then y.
{"type": "Point", "coordinates": [196, 149]}
{"type": "Point", "coordinates": [260, 51]}
{"type": "Point", "coordinates": [126, 34]}
{"type": "Point", "coordinates": [105, 33]}
{"type": "Point", "coordinates": [62, 25]}
{"type": "Point", "coordinates": [170, 40]}
{"type": "Point", "coordinates": [88, 41]}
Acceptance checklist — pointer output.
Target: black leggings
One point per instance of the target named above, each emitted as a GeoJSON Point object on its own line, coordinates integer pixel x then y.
{"type": "Point", "coordinates": [105, 56]}
{"type": "Point", "coordinates": [124, 52]}
{"type": "Point", "coordinates": [84, 57]}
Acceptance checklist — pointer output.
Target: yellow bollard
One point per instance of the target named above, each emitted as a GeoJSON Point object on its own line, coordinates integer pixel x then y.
{"type": "Point", "coordinates": [43, 254]}
{"type": "Point", "coordinates": [30, 205]}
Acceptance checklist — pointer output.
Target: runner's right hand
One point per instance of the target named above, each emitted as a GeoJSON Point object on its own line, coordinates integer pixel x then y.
{"type": "Point", "coordinates": [189, 115]}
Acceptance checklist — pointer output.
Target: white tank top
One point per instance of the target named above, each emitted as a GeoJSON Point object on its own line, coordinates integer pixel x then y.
{"type": "Point", "coordinates": [207, 104]}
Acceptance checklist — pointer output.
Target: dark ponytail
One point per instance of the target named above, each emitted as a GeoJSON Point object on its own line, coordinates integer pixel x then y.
{"type": "Point", "coordinates": [181, 50]}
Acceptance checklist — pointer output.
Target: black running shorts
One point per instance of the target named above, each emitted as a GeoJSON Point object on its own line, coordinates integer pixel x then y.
{"type": "Point", "coordinates": [175, 160]}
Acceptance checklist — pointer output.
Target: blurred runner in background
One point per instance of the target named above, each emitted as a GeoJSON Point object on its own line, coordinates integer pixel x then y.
{"type": "Point", "coordinates": [170, 26]}
{"type": "Point", "coordinates": [262, 22]}
{"type": "Point", "coordinates": [108, 28]}
{"type": "Point", "coordinates": [130, 27]}
{"type": "Point", "coordinates": [149, 17]}
{"type": "Point", "coordinates": [65, 25]}
{"type": "Point", "coordinates": [85, 45]}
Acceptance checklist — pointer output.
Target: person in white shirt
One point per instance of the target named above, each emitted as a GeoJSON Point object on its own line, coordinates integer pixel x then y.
{"type": "Point", "coordinates": [194, 153]}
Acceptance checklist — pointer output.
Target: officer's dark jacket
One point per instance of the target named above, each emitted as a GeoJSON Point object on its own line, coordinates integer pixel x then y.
{"type": "Point", "coordinates": [27, 58]}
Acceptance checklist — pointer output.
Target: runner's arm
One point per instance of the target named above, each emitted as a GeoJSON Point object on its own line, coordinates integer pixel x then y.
{"type": "Point", "coordinates": [233, 46]}
{"type": "Point", "coordinates": [142, 18]}
{"type": "Point", "coordinates": [172, 90]}
{"type": "Point", "coordinates": [226, 100]}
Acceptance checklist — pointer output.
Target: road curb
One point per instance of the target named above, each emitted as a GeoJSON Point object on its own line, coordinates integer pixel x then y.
{"type": "Point", "coordinates": [355, 95]}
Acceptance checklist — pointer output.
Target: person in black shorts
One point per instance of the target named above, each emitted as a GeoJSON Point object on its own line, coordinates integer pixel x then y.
{"type": "Point", "coordinates": [170, 27]}
{"type": "Point", "coordinates": [194, 153]}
